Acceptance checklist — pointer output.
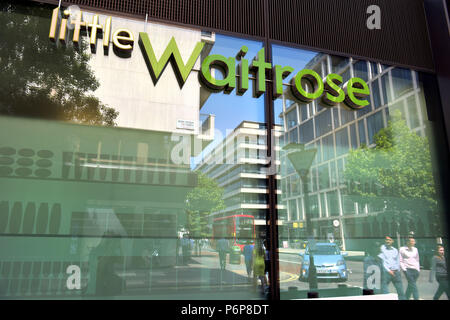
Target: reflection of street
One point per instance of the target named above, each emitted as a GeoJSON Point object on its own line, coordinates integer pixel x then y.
{"type": "Point", "coordinates": [290, 262]}
{"type": "Point", "coordinates": [200, 278]}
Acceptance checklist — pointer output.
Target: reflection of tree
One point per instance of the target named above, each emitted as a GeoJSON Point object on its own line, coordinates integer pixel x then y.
{"type": "Point", "coordinates": [396, 175]}
{"type": "Point", "coordinates": [203, 200]}
{"type": "Point", "coordinates": [41, 79]}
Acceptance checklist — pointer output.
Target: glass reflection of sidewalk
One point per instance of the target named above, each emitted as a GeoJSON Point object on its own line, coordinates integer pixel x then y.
{"type": "Point", "coordinates": [201, 277]}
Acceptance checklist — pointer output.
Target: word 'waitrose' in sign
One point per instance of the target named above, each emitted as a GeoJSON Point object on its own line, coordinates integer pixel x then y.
{"type": "Point", "coordinates": [306, 86]}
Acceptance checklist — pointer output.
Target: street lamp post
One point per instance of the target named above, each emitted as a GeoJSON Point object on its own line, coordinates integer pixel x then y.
{"type": "Point", "coordinates": [302, 160]}
{"type": "Point", "coordinates": [312, 277]}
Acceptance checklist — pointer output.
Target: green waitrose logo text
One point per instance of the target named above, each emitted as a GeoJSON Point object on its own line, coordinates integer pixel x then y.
{"type": "Point", "coordinates": [306, 86]}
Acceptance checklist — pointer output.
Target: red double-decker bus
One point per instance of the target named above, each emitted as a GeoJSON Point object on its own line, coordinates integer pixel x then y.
{"type": "Point", "coordinates": [239, 229]}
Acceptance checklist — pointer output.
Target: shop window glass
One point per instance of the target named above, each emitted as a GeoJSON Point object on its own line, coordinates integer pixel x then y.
{"type": "Point", "coordinates": [130, 181]}
{"type": "Point", "coordinates": [357, 180]}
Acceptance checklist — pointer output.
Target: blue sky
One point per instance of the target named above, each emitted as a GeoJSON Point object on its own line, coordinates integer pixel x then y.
{"type": "Point", "coordinates": [230, 109]}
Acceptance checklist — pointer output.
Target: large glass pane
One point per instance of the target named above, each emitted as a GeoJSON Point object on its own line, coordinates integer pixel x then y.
{"type": "Point", "coordinates": [123, 175]}
{"type": "Point", "coordinates": [365, 175]}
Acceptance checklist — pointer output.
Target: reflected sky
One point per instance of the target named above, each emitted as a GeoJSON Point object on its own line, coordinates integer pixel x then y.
{"type": "Point", "coordinates": [230, 109]}
{"type": "Point", "coordinates": [295, 58]}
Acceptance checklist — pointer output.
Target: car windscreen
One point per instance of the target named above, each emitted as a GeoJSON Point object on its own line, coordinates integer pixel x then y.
{"type": "Point", "coordinates": [326, 250]}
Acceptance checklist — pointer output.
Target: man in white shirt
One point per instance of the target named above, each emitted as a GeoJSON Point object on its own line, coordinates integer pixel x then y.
{"type": "Point", "coordinates": [409, 263]}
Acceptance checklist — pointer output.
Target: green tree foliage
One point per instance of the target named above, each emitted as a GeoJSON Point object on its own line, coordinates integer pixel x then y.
{"type": "Point", "coordinates": [42, 79]}
{"type": "Point", "coordinates": [396, 174]}
{"type": "Point", "coordinates": [203, 200]}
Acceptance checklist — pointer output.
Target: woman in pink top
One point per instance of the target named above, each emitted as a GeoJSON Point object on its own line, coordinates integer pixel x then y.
{"type": "Point", "coordinates": [409, 263]}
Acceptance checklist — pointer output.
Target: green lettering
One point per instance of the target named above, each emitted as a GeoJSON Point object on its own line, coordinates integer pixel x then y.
{"type": "Point", "coordinates": [333, 93]}
{"type": "Point", "coordinates": [280, 73]}
{"type": "Point", "coordinates": [242, 71]}
{"type": "Point", "coordinates": [260, 65]}
{"type": "Point", "coordinates": [314, 81]}
{"type": "Point", "coordinates": [171, 53]}
{"type": "Point", "coordinates": [226, 65]}
{"type": "Point", "coordinates": [356, 89]}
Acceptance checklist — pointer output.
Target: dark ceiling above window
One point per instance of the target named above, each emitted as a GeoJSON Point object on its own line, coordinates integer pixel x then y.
{"type": "Point", "coordinates": [333, 26]}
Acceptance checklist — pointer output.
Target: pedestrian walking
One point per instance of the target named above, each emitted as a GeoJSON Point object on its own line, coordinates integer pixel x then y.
{"type": "Point", "coordinates": [258, 267]}
{"type": "Point", "coordinates": [248, 257]}
{"type": "Point", "coordinates": [410, 265]}
{"type": "Point", "coordinates": [222, 248]}
{"type": "Point", "coordinates": [390, 258]}
{"type": "Point", "coordinates": [439, 272]}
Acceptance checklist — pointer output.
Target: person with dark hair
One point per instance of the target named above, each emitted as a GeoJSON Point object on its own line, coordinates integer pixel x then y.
{"type": "Point", "coordinates": [391, 268]}
{"type": "Point", "coordinates": [439, 272]}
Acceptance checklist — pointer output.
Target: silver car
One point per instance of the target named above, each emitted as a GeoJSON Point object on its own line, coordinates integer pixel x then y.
{"type": "Point", "coordinates": [328, 260]}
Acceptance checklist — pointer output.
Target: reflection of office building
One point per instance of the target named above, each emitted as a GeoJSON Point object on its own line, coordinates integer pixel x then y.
{"type": "Point", "coordinates": [161, 106]}
{"type": "Point", "coordinates": [239, 164]}
{"type": "Point", "coordinates": [334, 132]}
